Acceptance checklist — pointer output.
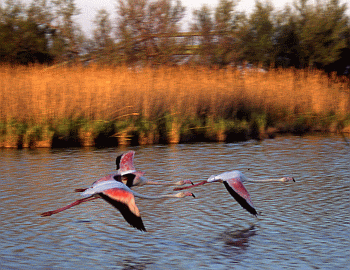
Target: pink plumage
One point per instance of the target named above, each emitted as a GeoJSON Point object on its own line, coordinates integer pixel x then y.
{"type": "Point", "coordinates": [125, 163]}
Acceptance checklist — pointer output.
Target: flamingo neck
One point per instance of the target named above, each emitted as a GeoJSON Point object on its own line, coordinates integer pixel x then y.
{"type": "Point", "coordinates": [178, 183]}
{"type": "Point", "coordinates": [136, 194]}
{"type": "Point", "coordinates": [264, 180]}
{"type": "Point", "coordinates": [157, 183]}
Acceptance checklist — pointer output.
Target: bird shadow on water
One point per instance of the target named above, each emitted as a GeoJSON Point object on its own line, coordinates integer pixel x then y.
{"type": "Point", "coordinates": [236, 242]}
{"type": "Point", "coordinates": [131, 264]}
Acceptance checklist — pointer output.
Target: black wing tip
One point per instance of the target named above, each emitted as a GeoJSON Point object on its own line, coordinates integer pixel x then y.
{"type": "Point", "coordinates": [254, 213]}
{"type": "Point", "coordinates": [117, 161]}
{"type": "Point", "coordinates": [142, 229]}
{"type": "Point", "coordinates": [250, 209]}
{"type": "Point", "coordinates": [139, 225]}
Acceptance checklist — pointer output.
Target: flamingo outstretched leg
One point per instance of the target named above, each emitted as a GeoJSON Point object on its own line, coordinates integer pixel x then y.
{"type": "Point", "coordinates": [193, 185]}
{"type": "Point", "coordinates": [77, 202]}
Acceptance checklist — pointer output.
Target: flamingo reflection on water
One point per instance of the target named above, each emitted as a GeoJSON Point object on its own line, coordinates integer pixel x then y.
{"type": "Point", "coordinates": [111, 189]}
{"type": "Point", "coordinates": [233, 182]}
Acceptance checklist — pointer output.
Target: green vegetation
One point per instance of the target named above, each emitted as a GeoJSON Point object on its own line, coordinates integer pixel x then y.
{"type": "Point", "coordinates": [94, 106]}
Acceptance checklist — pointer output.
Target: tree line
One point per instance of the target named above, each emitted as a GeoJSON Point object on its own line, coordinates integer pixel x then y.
{"type": "Point", "coordinates": [152, 32]}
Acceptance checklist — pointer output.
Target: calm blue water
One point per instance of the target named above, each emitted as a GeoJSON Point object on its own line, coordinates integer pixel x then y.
{"type": "Point", "coordinates": [303, 225]}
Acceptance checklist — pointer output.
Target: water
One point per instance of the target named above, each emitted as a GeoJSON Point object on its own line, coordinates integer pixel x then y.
{"type": "Point", "coordinates": [302, 225]}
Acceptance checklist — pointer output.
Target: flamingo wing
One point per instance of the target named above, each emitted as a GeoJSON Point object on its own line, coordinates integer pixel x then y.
{"type": "Point", "coordinates": [125, 163]}
{"type": "Point", "coordinates": [124, 201]}
{"type": "Point", "coordinates": [104, 179]}
{"type": "Point", "coordinates": [236, 188]}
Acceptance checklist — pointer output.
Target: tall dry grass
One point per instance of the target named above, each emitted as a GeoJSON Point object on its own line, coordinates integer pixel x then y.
{"type": "Point", "coordinates": [41, 96]}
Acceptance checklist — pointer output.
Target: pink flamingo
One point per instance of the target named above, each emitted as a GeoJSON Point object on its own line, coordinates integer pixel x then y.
{"type": "Point", "coordinates": [131, 177]}
{"type": "Point", "coordinates": [112, 190]}
{"type": "Point", "coordinates": [233, 182]}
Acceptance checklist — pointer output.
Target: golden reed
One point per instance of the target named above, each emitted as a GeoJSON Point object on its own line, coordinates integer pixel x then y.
{"type": "Point", "coordinates": [40, 95]}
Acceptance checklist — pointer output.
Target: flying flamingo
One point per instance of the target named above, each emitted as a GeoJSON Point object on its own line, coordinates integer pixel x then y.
{"type": "Point", "coordinates": [233, 182]}
{"type": "Point", "coordinates": [131, 177]}
{"type": "Point", "coordinates": [112, 190]}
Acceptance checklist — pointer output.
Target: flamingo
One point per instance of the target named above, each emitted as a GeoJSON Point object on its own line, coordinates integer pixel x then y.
{"type": "Point", "coordinates": [111, 189]}
{"type": "Point", "coordinates": [233, 182]}
{"type": "Point", "coordinates": [131, 177]}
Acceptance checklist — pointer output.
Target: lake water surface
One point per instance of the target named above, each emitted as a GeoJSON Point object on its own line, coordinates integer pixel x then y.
{"type": "Point", "coordinates": [302, 225]}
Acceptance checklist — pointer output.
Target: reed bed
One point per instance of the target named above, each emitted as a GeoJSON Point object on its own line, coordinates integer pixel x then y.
{"type": "Point", "coordinates": [103, 106]}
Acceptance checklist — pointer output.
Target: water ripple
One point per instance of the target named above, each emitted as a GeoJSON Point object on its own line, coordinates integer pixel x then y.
{"type": "Point", "coordinates": [302, 225]}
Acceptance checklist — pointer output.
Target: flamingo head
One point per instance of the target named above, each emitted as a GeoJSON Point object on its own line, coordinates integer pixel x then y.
{"type": "Point", "coordinates": [183, 182]}
{"type": "Point", "coordinates": [184, 194]}
{"type": "Point", "coordinates": [287, 179]}
{"type": "Point", "coordinates": [213, 179]}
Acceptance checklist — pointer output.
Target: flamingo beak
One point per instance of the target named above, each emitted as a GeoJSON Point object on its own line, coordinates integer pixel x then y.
{"type": "Point", "coordinates": [190, 194]}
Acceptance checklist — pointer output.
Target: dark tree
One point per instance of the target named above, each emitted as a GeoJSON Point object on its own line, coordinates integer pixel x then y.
{"type": "Point", "coordinates": [147, 30]}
